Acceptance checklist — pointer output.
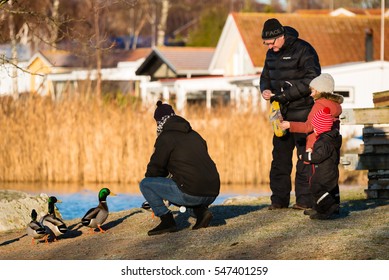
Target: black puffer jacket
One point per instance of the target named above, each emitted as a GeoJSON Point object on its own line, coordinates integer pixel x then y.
{"type": "Point", "coordinates": [182, 152]}
{"type": "Point", "coordinates": [325, 159]}
{"type": "Point", "coordinates": [291, 68]}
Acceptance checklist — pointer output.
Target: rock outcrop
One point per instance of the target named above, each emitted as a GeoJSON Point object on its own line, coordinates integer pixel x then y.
{"type": "Point", "coordinates": [16, 207]}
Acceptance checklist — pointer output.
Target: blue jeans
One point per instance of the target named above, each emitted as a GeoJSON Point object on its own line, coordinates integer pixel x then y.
{"type": "Point", "coordinates": [156, 189]}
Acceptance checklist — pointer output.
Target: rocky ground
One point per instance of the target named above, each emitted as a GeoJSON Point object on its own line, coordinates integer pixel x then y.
{"type": "Point", "coordinates": [16, 206]}
{"type": "Point", "coordinates": [241, 229]}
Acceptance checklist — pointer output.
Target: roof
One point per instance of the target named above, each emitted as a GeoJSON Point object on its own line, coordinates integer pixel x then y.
{"type": "Point", "coordinates": [110, 58]}
{"type": "Point", "coordinates": [336, 39]}
{"type": "Point", "coordinates": [355, 11]}
{"type": "Point", "coordinates": [58, 58]}
{"type": "Point", "coordinates": [181, 60]}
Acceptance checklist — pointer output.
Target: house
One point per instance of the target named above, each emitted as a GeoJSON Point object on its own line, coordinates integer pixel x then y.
{"type": "Point", "coordinates": [6, 78]}
{"type": "Point", "coordinates": [7, 69]}
{"type": "Point", "coordinates": [337, 40]}
{"type": "Point", "coordinates": [343, 12]}
{"type": "Point", "coordinates": [357, 82]}
{"type": "Point", "coordinates": [170, 67]}
{"type": "Point", "coordinates": [176, 62]}
{"type": "Point", "coordinates": [56, 72]}
{"type": "Point", "coordinates": [46, 62]}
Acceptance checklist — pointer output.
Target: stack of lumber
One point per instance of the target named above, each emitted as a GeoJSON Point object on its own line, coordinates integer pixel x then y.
{"type": "Point", "coordinates": [374, 154]}
{"type": "Point", "coordinates": [381, 99]}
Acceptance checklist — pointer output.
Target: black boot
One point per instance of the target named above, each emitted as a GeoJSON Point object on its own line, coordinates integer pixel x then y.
{"type": "Point", "coordinates": [313, 211]}
{"type": "Point", "coordinates": [168, 224]}
{"type": "Point", "coordinates": [309, 212]}
{"type": "Point", "coordinates": [325, 206]}
{"type": "Point", "coordinates": [203, 217]}
{"type": "Point", "coordinates": [334, 209]}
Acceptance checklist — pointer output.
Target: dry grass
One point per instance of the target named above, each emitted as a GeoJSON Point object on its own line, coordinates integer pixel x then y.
{"type": "Point", "coordinates": [87, 141]}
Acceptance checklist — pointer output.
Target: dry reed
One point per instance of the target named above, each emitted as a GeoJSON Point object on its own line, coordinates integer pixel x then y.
{"type": "Point", "coordinates": [87, 141]}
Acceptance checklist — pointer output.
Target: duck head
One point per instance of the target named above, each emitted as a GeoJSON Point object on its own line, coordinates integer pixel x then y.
{"type": "Point", "coordinates": [34, 215]}
{"type": "Point", "coordinates": [104, 192]}
{"type": "Point", "coordinates": [53, 200]}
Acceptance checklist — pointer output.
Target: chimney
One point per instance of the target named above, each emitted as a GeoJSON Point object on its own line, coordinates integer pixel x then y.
{"type": "Point", "coordinates": [369, 44]}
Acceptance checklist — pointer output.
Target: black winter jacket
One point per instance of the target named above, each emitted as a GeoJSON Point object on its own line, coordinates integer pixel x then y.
{"type": "Point", "coordinates": [296, 63]}
{"type": "Point", "coordinates": [183, 153]}
{"type": "Point", "coordinates": [325, 159]}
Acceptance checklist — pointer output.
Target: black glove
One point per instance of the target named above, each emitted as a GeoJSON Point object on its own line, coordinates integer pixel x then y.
{"type": "Point", "coordinates": [281, 98]}
{"type": "Point", "coordinates": [286, 85]}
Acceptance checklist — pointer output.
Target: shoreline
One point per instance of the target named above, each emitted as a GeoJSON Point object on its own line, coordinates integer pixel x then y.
{"type": "Point", "coordinates": [75, 205]}
{"type": "Point", "coordinates": [245, 231]}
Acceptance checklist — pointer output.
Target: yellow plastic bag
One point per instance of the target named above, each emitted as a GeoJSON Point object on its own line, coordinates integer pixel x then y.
{"type": "Point", "coordinates": [275, 118]}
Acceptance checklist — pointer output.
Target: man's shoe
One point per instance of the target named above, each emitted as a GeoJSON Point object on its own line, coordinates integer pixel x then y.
{"type": "Point", "coordinates": [300, 207]}
{"type": "Point", "coordinates": [275, 206]}
{"type": "Point", "coordinates": [168, 224]}
{"type": "Point", "coordinates": [203, 217]}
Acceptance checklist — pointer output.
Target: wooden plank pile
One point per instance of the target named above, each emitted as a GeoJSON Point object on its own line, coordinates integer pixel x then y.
{"type": "Point", "coordinates": [381, 99]}
{"type": "Point", "coordinates": [374, 153]}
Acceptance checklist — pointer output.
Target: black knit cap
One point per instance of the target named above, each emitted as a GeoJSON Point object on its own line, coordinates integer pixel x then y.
{"type": "Point", "coordinates": [272, 29]}
{"type": "Point", "coordinates": [162, 110]}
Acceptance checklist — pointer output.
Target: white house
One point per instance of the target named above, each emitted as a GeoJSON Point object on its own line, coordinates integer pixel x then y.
{"type": "Point", "coordinates": [6, 78]}
{"type": "Point", "coordinates": [357, 82]}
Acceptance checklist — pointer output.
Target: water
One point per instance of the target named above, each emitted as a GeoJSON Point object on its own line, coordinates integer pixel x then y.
{"type": "Point", "coordinates": [76, 205]}
{"type": "Point", "coordinates": [77, 200]}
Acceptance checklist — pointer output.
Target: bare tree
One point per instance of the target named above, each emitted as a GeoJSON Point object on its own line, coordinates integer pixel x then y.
{"type": "Point", "coordinates": [162, 22]}
{"type": "Point", "coordinates": [133, 18]}
{"type": "Point", "coordinates": [97, 6]}
{"type": "Point", "coordinates": [29, 25]}
{"type": "Point", "coordinates": [55, 16]}
{"type": "Point", "coordinates": [14, 54]}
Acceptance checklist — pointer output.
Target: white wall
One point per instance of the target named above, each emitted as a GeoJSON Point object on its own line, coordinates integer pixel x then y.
{"type": "Point", "coordinates": [363, 79]}
{"type": "Point", "coordinates": [6, 79]}
{"type": "Point", "coordinates": [231, 57]}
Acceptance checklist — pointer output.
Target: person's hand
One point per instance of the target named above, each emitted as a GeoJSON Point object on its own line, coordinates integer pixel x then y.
{"type": "Point", "coordinates": [281, 98]}
{"type": "Point", "coordinates": [309, 150]}
{"type": "Point", "coordinates": [284, 125]}
{"type": "Point", "coordinates": [266, 94]}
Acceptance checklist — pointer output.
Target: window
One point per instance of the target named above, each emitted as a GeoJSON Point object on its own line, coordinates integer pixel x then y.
{"type": "Point", "coordinates": [346, 92]}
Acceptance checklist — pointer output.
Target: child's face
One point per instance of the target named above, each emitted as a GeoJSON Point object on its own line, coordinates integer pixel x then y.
{"type": "Point", "coordinates": [313, 92]}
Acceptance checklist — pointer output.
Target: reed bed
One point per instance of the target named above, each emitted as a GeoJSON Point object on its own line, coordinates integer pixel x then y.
{"type": "Point", "coordinates": [86, 141]}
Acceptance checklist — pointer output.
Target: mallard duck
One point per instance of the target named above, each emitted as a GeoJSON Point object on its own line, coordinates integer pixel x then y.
{"type": "Point", "coordinates": [50, 220]}
{"type": "Point", "coordinates": [35, 229]}
{"type": "Point", "coordinates": [96, 216]}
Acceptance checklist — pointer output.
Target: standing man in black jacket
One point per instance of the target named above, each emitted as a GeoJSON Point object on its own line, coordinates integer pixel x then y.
{"type": "Point", "coordinates": [180, 171]}
{"type": "Point", "coordinates": [291, 63]}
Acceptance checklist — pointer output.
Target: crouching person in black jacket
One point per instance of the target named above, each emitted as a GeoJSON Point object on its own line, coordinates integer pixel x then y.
{"type": "Point", "coordinates": [324, 158]}
{"type": "Point", "coordinates": [180, 171]}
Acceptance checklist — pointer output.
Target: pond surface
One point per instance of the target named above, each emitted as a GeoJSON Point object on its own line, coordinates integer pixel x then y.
{"type": "Point", "coordinates": [77, 199]}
